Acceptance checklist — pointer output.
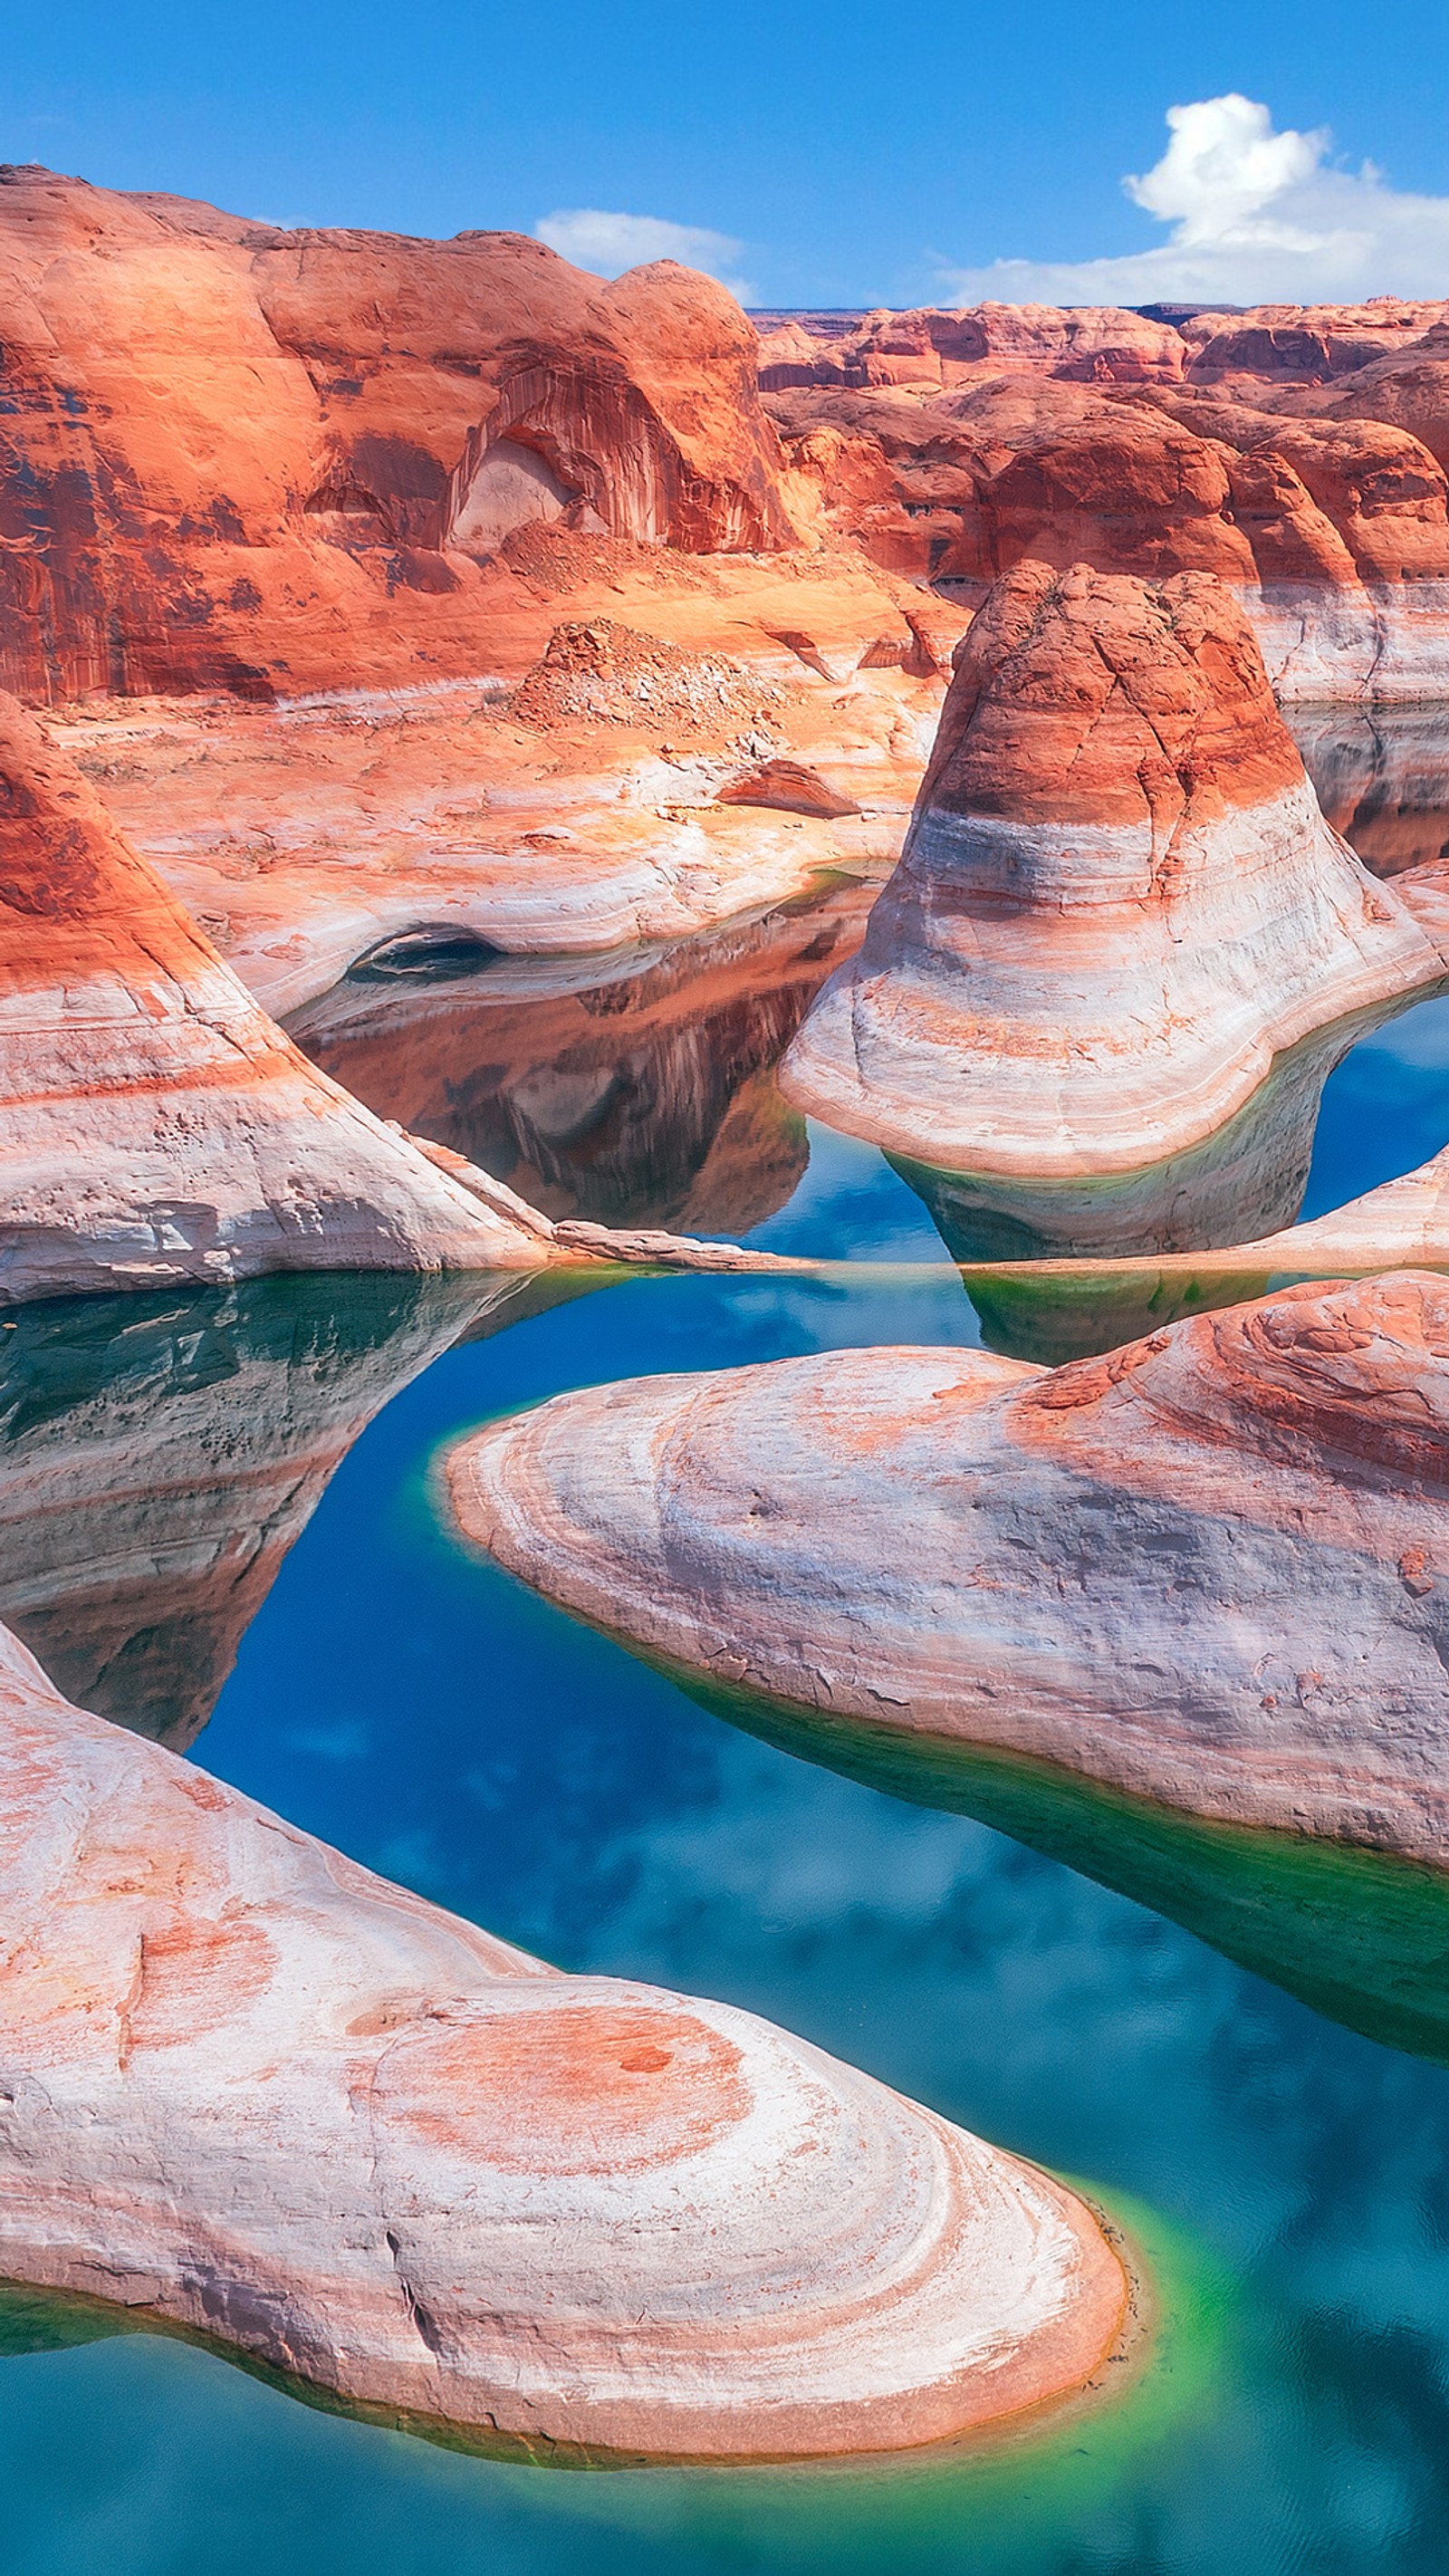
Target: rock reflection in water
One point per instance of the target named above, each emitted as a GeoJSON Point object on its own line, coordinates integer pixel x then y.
{"type": "Point", "coordinates": [641, 1099]}
{"type": "Point", "coordinates": [160, 1454]}
{"type": "Point", "coordinates": [1381, 775]}
{"type": "Point", "coordinates": [1245, 1182]}
{"type": "Point", "coordinates": [1054, 1316]}
{"type": "Point", "coordinates": [1360, 1937]}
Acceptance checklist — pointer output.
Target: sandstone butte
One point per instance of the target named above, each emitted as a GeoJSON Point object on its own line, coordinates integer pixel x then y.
{"type": "Point", "coordinates": [254, 2093]}
{"type": "Point", "coordinates": [930, 348]}
{"type": "Point", "coordinates": [1117, 903]}
{"type": "Point", "coordinates": [1208, 1569]}
{"type": "Point", "coordinates": [226, 443]}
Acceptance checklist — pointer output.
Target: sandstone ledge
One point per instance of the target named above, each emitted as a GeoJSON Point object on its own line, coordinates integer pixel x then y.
{"type": "Point", "coordinates": [252, 2092]}
{"type": "Point", "coordinates": [1208, 1569]}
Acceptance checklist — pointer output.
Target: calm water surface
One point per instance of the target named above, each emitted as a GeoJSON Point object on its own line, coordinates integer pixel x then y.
{"type": "Point", "coordinates": [1290, 2176]}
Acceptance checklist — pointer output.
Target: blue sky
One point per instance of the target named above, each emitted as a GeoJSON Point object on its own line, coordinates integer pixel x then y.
{"type": "Point", "coordinates": [837, 156]}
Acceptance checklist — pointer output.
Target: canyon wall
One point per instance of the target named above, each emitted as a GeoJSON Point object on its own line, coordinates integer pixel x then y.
{"type": "Point", "coordinates": [1299, 454]}
{"type": "Point", "coordinates": [234, 456]}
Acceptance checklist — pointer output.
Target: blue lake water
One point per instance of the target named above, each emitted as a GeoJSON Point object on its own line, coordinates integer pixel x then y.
{"type": "Point", "coordinates": [1289, 2175]}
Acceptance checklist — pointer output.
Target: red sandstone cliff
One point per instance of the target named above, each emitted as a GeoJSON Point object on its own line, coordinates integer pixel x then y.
{"type": "Point", "coordinates": [1158, 482]}
{"type": "Point", "coordinates": [1282, 345]}
{"type": "Point", "coordinates": [929, 347]}
{"type": "Point", "coordinates": [229, 453]}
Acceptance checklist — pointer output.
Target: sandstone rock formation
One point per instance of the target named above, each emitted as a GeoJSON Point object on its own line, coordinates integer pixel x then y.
{"type": "Point", "coordinates": [154, 1124]}
{"type": "Point", "coordinates": [1246, 1178]}
{"type": "Point", "coordinates": [253, 2093]}
{"type": "Point", "coordinates": [930, 348]}
{"type": "Point", "coordinates": [1272, 346]}
{"type": "Point", "coordinates": [789, 786]}
{"type": "Point", "coordinates": [1320, 494]}
{"type": "Point", "coordinates": [235, 456]}
{"type": "Point", "coordinates": [361, 521]}
{"type": "Point", "coordinates": [1208, 1569]}
{"type": "Point", "coordinates": [306, 836]}
{"type": "Point", "coordinates": [1118, 899]}
{"type": "Point", "coordinates": [1382, 779]}
{"type": "Point", "coordinates": [1309, 345]}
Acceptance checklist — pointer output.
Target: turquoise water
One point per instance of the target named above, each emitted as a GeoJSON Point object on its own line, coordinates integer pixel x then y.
{"type": "Point", "coordinates": [1289, 2175]}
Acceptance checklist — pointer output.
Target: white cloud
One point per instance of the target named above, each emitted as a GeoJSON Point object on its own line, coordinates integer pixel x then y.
{"type": "Point", "coordinates": [1258, 217]}
{"type": "Point", "coordinates": [608, 244]}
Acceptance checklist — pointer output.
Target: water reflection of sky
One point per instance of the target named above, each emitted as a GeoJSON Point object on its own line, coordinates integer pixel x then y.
{"type": "Point", "coordinates": [441, 1724]}
{"type": "Point", "coordinates": [1385, 1109]}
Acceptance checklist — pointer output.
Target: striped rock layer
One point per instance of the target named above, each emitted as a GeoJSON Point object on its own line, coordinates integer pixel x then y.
{"type": "Point", "coordinates": [253, 2092]}
{"type": "Point", "coordinates": [155, 1125]}
{"type": "Point", "coordinates": [1118, 899]}
{"type": "Point", "coordinates": [1211, 1568]}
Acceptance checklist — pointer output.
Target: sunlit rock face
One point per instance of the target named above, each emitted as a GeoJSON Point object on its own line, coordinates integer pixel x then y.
{"type": "Point", "coordinates": [929, 349]}
{"type": "Point", "coordinates": [308, 836]}
{"type": "Point", "coordinates": [387, 587]}
{"type": "Point", "coordinates": [160, 1456]}
{"type": "Point", "coordinates": [1298, 454]}
{"type": "Point", "coordinates": [250, 458]}
{"type": "Point", "coordinates": [1270, 349]}
{"type": "Point", "coordinates": [255, 2093]}
{"type": "Point", "coordinates": [1208, 1569]}
{"type": "Point", "coordinates": [646, 1100]}
{"type": "Point", "coordinates": [1117, 903]}
{"type": "Point", "coordinates": [155, 1125]}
